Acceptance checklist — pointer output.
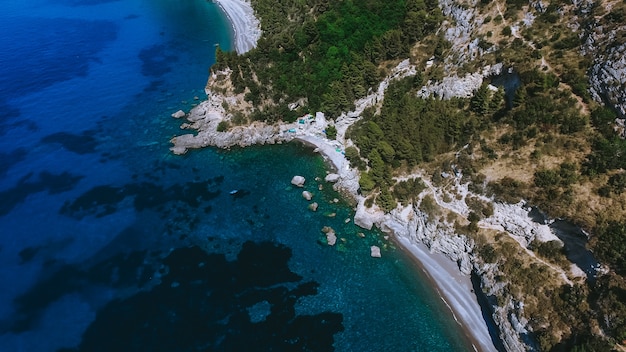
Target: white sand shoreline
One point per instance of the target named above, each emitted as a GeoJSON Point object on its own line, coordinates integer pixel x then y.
{"type": "Point", "coordinates": [454, 288]}
{"type": "Point", "coordinates": [246, 27]}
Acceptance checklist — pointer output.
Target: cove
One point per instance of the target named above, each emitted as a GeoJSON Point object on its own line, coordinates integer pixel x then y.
{"type": "Point", "coordinates": [103, 229]}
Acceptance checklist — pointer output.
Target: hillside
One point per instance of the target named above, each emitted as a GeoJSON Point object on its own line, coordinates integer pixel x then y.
{"type": "Point", "coordinates": [503, 107]}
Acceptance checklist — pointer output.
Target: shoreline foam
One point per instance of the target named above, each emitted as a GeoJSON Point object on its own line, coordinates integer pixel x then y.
{"type": "Point", "coordinates": [246, 27]}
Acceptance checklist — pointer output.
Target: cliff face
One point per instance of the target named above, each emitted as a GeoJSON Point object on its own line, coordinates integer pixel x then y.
{"type": "Point", "coordinates": [476, 49]}
{"type": "Point", "coordinates": [419, 228]}
{"type": "Point", "coordinates": [603, 30]}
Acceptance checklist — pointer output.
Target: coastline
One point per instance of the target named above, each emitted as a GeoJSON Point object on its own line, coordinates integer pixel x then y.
{"type": "Point", "coordinates": [246, 27]}
{"type": "Point", "coordinates": [453, 287]}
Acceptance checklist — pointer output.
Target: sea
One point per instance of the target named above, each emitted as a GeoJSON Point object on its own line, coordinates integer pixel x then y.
{"type": "Point", "coordinates": [109, 242]}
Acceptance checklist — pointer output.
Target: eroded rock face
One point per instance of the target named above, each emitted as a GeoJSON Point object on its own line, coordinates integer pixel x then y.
{"type": "Point", "coordinates": [364, 217]}
{"type": "Point", "coordinates": [298, 181]}
{"type": "Point", "coordinates": [608, 78]}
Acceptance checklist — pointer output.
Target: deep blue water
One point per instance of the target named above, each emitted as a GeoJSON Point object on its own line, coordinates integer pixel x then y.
{"type": "Point", "coordinates": [108, 242]}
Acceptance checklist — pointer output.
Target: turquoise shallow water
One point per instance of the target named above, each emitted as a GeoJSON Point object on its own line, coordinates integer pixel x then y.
{"type": "Point", "coordinates": [110, 242]}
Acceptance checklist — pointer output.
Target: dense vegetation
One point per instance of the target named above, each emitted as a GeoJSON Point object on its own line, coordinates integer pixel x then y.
{"type": "Point", "coordinates": [328, 55]}
{"type": "Point", "coordinates": [325, 54]}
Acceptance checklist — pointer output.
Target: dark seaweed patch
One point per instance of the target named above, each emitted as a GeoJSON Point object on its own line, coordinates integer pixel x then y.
{"type": "Point", "coordinates": [156, 60]}
{"type": "Point", "coordinates": [202, 305]}
{"type": "Point", "coordinates": [51, 183]}
{"type": "Point", "coordinates": [27, 254]}
{"type": "Point", "coordinates": [154, 86]}
{"type": "Point", "coordinates": [103, 200]}
{"type": "Point", "coordinates": [119, 271]}
{"type": "Point", "coordinates": [84, 143]}
{"type": "Point", "coordinates": [8, 113]}
{"type": "Point", "coordinates": [7, 160]}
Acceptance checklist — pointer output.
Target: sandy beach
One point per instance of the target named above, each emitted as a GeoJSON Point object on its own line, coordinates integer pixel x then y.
{"type": "Point", "coordinates": [454, 287]}
{"type": "Point", "coordinates": [246, 27]}
{"type": "Point", "coordinates": [455, 290]}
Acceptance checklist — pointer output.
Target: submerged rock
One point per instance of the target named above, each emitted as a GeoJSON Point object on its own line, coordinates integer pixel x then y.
{"type": "Point", "coordinates": [298, 181]}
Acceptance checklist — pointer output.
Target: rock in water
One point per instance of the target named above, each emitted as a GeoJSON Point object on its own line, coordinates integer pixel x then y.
{"type": "Point", "coordinates": [332, 178]}
{"type": "Point", "coordinates": [298, 181]}
{"type": "Point", "coordinates": [307, 195]}
{"type": "Point", "coordinates": [375, 251]}
{"type": "Point", "coordinates": [331, 237]}
{"type": "Point", "coordinates": [178, 114]}
{"type": "Point", "coordinates": [313, 206]}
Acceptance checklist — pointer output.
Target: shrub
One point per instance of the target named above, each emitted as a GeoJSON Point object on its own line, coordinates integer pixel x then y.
{"type": "Point", "coordinates": [223, 126]}
{"type": "Point", "coordinates": [331, 132]}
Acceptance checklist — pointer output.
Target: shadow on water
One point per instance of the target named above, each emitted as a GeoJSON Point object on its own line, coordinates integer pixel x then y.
{"type": "Point", "coordinates": [53, 184]}
{"type": "Point", "coordinates": [510, 81]}
{"type": "Point", "coordinates": [575, 246]}
{"type": "Point", "coordinates": [485, 308]}
{"type": "Point", "coordinates": [574, 243]}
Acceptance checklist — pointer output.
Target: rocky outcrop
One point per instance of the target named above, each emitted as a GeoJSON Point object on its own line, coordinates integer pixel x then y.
{"type": "Point", "coordinates": [332, 178]}
{"type": "Point", "coordinates": [307, 195]}
{"type": "Point", "coordinates": [458, 87]}
{"type": "Point", "coordinates": [508, 316]}
{"type": "Point", "coordinates": [375, 252]}
{"type": "Point", "coordinates": [331, 236]}
{"type": "Point", "coordinates": [607, 78]}
{"type": "Point", "coordinates": [514, 219]}
{"type": "Point", "coordinates": [298, 181]}
{"type": "Point", "coordinates": [602, 43]}
{"type": "Point", "coordinates": [178, 114]}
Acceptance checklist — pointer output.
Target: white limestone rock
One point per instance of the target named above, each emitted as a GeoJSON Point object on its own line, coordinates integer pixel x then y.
{"type": "Point", "coordinates": [178, 114]}
{"type": "Point", "coordinates": [375, 252]}
{"type": "Point", "coordinates": [331, 237]}
{"type": "Point", "coordinates": [298, 181]}
{"type": "Point", "coordinates": [332, 178]}
{"type": "Point", "coordinates": [313, 206]}
{"type": "Point", "coordinates": [307, 195]}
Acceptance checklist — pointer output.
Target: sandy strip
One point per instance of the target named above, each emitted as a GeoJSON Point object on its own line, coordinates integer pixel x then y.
{"type": "Point", "coordinates": [329, 152]}
{"type": "Point", "coordinates": [455, 290]}
{"type": "Point", "coordinates": [246, 27]}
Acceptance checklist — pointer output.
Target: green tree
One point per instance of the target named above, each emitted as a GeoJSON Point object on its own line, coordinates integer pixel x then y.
{"type": "Point", "coordinates": [331, 132]}
{"type": "Point", "coordinates": [480, 101]}
{"type": "Point", "coordinates": [386, 151]}
{"type": "Point", "coordinates": [366, 182]}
